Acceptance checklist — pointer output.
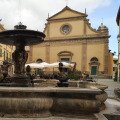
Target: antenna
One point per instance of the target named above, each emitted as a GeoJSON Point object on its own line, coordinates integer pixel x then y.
{"type": "Point", "coordinates": [85, 11]}
{"type": "Point", "coordinates": [48, 15]}
{"type": "Point", "coordinates": [102, 22]}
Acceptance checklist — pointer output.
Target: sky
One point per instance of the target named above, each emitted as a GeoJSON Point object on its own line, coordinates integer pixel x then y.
{"type": "Point", "coordinates": [34, 13]}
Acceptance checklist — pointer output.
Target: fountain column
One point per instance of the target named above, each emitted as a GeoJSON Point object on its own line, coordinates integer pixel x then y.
{"type": "Point", "coordinates": [19, 58]}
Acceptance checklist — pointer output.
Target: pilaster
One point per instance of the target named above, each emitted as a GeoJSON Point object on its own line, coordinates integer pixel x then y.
{"type": "Point", "coordinates": [47, 52]}
{"type": "Point", "coordinates": [84, 57]}
{"type": "Point", "coordinates": [84, 26]}
{"type": "Point", "coordinates": [106, 63]}
{"type": "Point", "coordinates": [31, 54]}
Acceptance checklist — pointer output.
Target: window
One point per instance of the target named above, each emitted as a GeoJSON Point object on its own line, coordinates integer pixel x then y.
{"type": "Point", "coordinates": [65, 29]}
{"type": "Point", "coordinates": [94, 61]}
{"type": "Point", "coordinates": [115, 61]}
{"type": "Point", "coordinates": [0, 52]}
{"type": "Point", "coordinates": [114, 68]}
{"type": "Point", "coordinates": [4, 54]}
{"type": "Point", "coordinates": [65, 59]}
{"type": "Point", "coordinates": [39, 60]}
{"type": "Point", "coordinates": [65, 56]}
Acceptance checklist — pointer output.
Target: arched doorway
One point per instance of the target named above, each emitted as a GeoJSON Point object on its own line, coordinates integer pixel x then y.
{"type": "Point", "coordinates": [94, 65]}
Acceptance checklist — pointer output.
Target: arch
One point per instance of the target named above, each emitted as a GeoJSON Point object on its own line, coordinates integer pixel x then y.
{"type": "Point", "coordinates": [65, 56]}
{"type": "Point", "coordinates": [94, 59]}
{"type": "Point", "coordinates": [39, 60]}
{"type": "Point", "coordinates": [65, 53]}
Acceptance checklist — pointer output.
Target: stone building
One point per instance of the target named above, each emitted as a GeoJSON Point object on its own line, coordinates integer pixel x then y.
{"type": "Point", "coordinates": [118, 23]}
{"type": "Point", "coordinates": [70, 37]}
{"type": "Point", "coordinates": [115, 65]}
{"type": "Point", "coordinates": [5, 53]}
{"type": "Point", "coordinates": [5, 50]}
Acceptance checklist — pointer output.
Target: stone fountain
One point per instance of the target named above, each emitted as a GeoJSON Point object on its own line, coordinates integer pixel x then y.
{"type": "Point", "coordinates": [20, 37]}
{"type": "Point", "coordinates": [19, 99]}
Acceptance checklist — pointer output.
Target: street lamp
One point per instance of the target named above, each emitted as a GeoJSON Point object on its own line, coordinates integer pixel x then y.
{"type": "Point", "coordinates": [118, 37]}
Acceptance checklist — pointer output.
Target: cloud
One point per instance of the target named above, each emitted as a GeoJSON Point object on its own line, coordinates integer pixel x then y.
{"type": "Point", "coordinates": [91, 5]}
{"type": "Point", "coordinates": [34, 12]}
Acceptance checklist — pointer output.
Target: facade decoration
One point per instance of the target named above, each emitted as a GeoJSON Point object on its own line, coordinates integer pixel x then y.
{"type": "Point", "coordinates": [70, 37]}
{"type": "Point", "coordinates": [66, 28]}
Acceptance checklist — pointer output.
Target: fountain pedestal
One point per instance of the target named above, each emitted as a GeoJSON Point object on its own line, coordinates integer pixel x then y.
{"type": "Point", "coordinates": [20, 56]}
{"type": "Point", "coordinates": [48, 101]}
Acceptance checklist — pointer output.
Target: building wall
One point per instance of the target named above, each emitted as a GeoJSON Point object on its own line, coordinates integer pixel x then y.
{"type": "Point", "coordinates": [5, 50]}
{"type": "Point", "coordinates": [95, 50]}
{"type": "Point", "coordinates": [55, 31]}
{"type": "Point", "coordinates": [67, 14]}
{"type": "Point", "coordinates": [55, 49]}
{"type": "Point", "coordinates": [110, 70]}
{"type": "Point", "coordinates": [38, 53]}
{"type": "Point", "coordinates": [5, 54]}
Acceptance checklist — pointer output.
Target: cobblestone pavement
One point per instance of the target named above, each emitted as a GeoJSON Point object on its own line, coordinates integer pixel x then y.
{"type": "Point", "coordinates": [111, 86]}
{"type": "Point", "coordinates": [112, 108]}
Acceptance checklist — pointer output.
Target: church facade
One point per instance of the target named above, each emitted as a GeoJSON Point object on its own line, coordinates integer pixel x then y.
{"type": "Point", "coordinates": [70, 37]}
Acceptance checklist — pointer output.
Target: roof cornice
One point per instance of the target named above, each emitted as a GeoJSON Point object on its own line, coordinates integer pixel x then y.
{"type": "Point", "coordinates": [67, 8]}
{"type": "Point", "coordinates": [78, 38]}
{"type": "Point", "coordinates": [67, 19]}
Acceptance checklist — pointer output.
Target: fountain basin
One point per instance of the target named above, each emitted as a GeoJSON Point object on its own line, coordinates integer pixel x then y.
{"type": "Point", "coordinates": [28, 37]}
{"type": "Point", "coordinates": [47, 101]}
{"type": "Point", "coordinates": [72, 83]}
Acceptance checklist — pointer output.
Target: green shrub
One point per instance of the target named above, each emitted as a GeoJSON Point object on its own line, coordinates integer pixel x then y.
{"type": "Point", "coordinates": [116, 75]}
{"type": "Point", "coordinates": [76, 75]}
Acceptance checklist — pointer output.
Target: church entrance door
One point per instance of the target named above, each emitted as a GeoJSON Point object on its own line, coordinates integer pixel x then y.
{"type": "Point", "coordinates": [93, 70]}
